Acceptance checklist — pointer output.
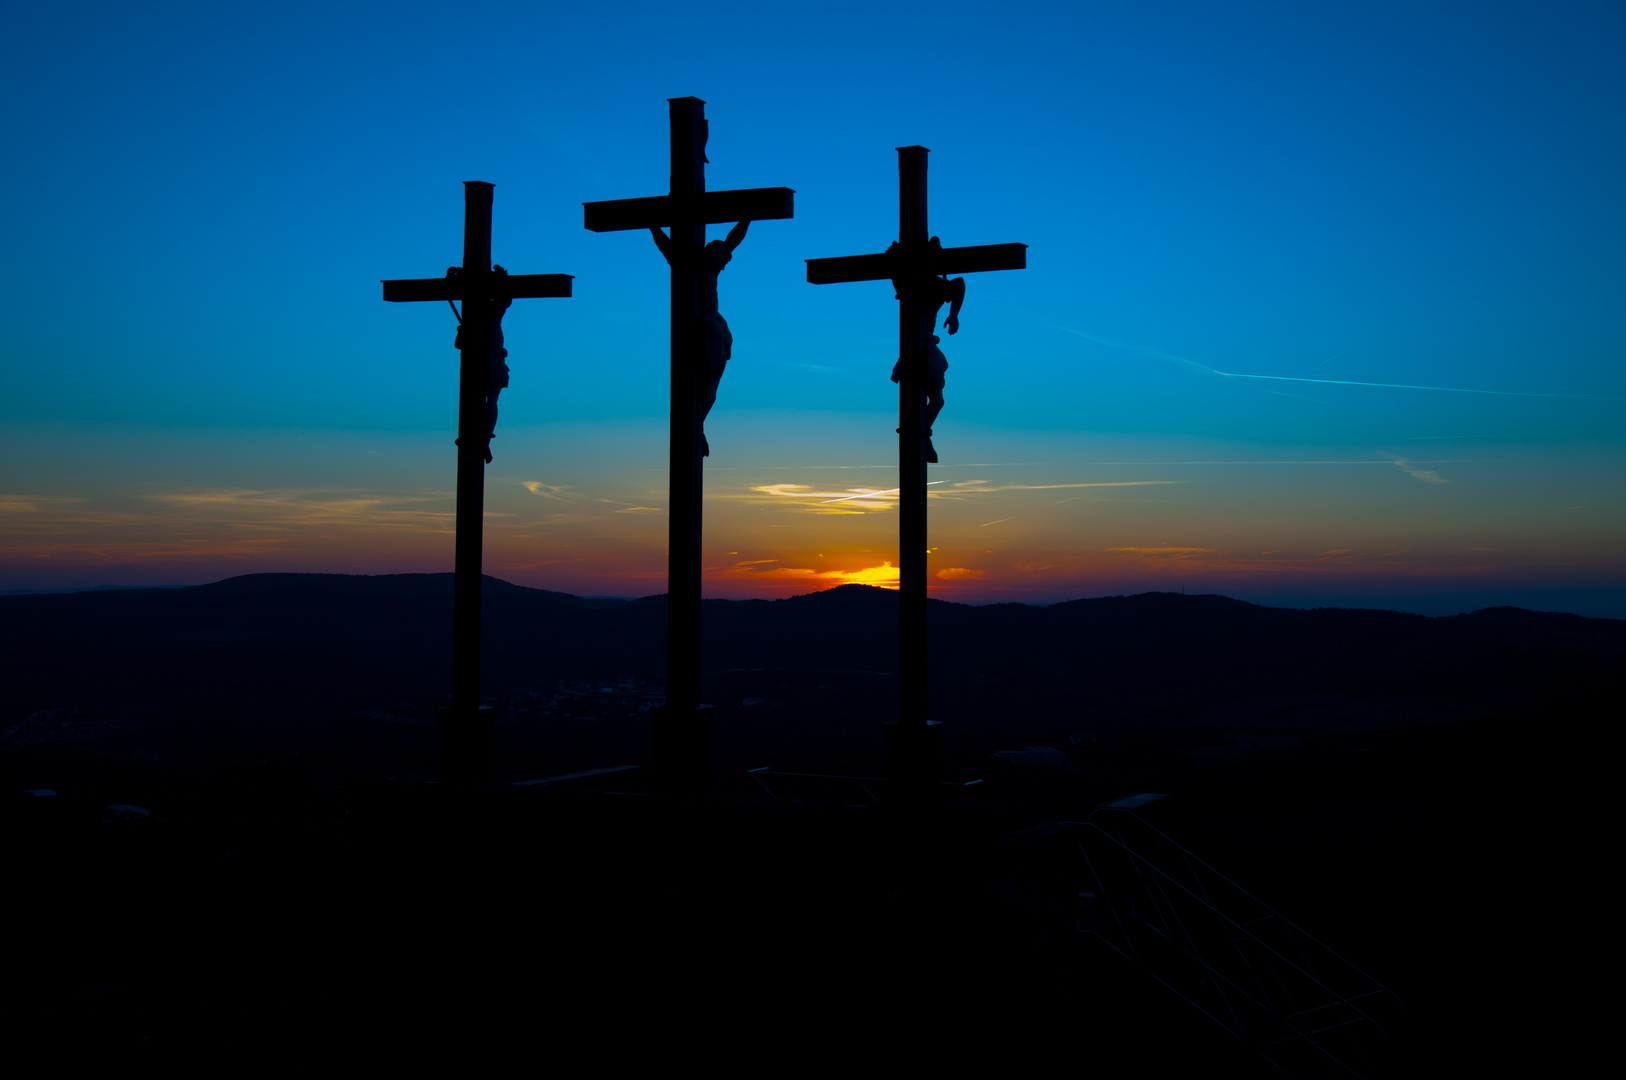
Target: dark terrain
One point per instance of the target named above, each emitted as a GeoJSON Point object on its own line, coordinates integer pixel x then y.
{"type": "Point", "coordinates": [1420, 793]}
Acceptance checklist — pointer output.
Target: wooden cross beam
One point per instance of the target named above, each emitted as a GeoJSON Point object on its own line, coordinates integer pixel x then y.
{"type": "Point", "coordinates": [464, 734]}
{"type": "Point", "coordinates": [683, 729]}
{"type": "Point", "coordinates": [914, 752]}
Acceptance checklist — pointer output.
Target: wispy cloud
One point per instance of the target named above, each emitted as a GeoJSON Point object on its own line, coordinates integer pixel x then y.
{"type": "Point", "coordinates": [1427, 476]}
{"type": "Point", "coordinates": [864, 499]}
{"type": "Point", "coordinates": [235, 524]}
{"type": "Point", "coordinates": [35, 504]}
{"type": "Point", "coordinates": [872, 494]}
{"type": "Point", "coordinates": [547, 491]}
{"type": "Point", "coordinates": [806, 497]}
{"type": "Point", "coordinates": [314, 507]}
{"type": "Point", "coordinates": [1162, 555]}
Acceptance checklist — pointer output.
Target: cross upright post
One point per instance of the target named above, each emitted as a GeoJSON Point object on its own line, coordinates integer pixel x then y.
{"type": "Point", "coordinates": [914, 746]}
{"type": "Point", "coordinates": [914, 327]}
{"type": "Point", "coordinates": [464, 750]}
{"type": "Point", "coordinates": [683, 728]}
{"type": "Point", "coordinates": [685, 465]}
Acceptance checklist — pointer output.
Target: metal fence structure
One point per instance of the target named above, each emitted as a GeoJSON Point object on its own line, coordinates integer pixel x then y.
{"type": "Point", "coordinates": [1303, 1007]}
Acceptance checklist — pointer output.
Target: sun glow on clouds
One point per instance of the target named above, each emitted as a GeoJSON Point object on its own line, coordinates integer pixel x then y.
{"type": "Point", "coordinates": [583, 512]}
{"type": "Point", "coordinates": [806, 497]}
{"type": "Point", "coordinates": [885, 575]}
{"type": "Point", "coordinates": [859, 500]}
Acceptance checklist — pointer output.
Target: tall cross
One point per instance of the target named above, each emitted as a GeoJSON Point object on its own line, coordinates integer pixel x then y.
{"type": "Point", "coordinates": [914, 749]}
{"type": "Point", "coordinates": [464, 728]}
{"type": "Point", "coordinates": [682, 734]}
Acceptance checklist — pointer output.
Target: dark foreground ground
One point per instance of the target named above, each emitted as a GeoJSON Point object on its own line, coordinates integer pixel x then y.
{"type": "Point", "coordinates": [242, 862]}
{"type": "Point", "coordinates": [267, 911]}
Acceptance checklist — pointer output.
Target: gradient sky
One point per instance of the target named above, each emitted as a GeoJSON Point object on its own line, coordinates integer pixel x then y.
{"type": "Point", "coordinates": [1324, 302]}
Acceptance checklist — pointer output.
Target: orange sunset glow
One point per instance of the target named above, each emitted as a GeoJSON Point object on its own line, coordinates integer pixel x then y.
{"type": "Point", "coordinates": [582, 510]}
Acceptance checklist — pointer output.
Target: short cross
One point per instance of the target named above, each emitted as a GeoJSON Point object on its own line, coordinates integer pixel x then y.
{"type": "Point", "coordinates": [682, 731]}
{"type": "Point", "coordinates": [465, 728]}
{"type": "Point", "coordinates": [917, 266]}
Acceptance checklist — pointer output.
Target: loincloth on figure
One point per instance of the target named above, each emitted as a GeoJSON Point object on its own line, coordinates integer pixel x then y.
{"type": "Point", "coordinates": [717, 344]}
{"type": "Point", "coordinates": [496, 359]}
{"type": "Point", "coordinates": [936, 368]}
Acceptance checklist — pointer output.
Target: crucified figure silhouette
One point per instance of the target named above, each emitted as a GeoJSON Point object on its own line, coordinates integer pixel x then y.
{"type": "Point", "coordinates": [719, 342]}
{"type": "Point", "coordinates": [933, 294]}
{"type": "Point", "coordinates": [496, 357]}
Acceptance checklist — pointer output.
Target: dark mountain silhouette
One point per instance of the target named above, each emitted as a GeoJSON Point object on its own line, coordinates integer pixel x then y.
{"type": "Point", "coordinates": [268, 642]}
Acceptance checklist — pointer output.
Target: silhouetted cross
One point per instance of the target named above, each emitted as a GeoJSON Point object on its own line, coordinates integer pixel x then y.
{"type": "Point", "coordinates": [465, 728]}
{"type": "Point", "coordinates": [913, 748]}
{"type": "Point", "coordinates": [682, 731]}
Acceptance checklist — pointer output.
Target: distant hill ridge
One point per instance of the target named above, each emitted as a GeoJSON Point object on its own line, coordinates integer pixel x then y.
{"type": "Point", "coordinates": [337, 638]}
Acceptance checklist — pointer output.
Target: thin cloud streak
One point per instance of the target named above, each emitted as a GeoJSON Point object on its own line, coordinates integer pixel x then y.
{"type": "Point", "coordinates": [1409, 386]}
{"type": "Point", "coordinates": [1329, 461]}
{"type": "Point", "coordinates": [1049, 487]}
{"type": "Point", "coordinates": [872, 494]}
{"type": "Point", "coordinates": [1160, 355]}
{"type": "Point", "coordinates": [1427, 476]}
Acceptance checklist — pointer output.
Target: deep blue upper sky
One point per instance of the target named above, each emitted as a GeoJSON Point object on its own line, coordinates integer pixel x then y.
{"type": "Point", "coordinates": [200, 199]}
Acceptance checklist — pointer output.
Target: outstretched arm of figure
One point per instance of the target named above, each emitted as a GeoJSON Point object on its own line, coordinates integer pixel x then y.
{"type": "Point", "coordinates": [735, 235]}
{"type": "Point", "coordinates": [662, 242]}
{"type": "Point", "coordinates": [956, 290]}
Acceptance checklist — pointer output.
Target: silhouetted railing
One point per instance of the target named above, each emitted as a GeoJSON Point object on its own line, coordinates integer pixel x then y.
{"type": "Point", "coordinates": [1299, 1004]}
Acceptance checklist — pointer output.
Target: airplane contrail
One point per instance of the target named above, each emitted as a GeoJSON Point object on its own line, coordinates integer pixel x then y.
{"type": "Point", "coordinates": [1408, 386]}
{"type": "Point", "coordinates": [1145, 351]}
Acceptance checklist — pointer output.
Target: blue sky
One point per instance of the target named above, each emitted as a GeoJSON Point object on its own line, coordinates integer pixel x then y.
{"type": "Point", "coordinates": [1355, 200]}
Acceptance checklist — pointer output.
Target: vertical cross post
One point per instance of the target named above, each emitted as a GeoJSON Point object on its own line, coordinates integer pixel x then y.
{"type": "Point", "coordinates": [688, 234]}
{"type": "Point", "coordinates": [913, 331]}
{"type": "Point", "coordinates": [464, 751]}
{"type": "Point", "coordinates": [683, 728]}
{"type": "Point", "coordinates": [471, 465]}
{"type": "Point", "coordinates": [913, 741]}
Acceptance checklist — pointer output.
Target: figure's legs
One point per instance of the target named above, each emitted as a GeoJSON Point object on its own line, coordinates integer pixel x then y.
{"type": "Point", "coordinates": [928, 417]}
{"type": "Point", "coordinates": [491, 420]}
{"type": "Point", "coordinates": [705, 398]}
